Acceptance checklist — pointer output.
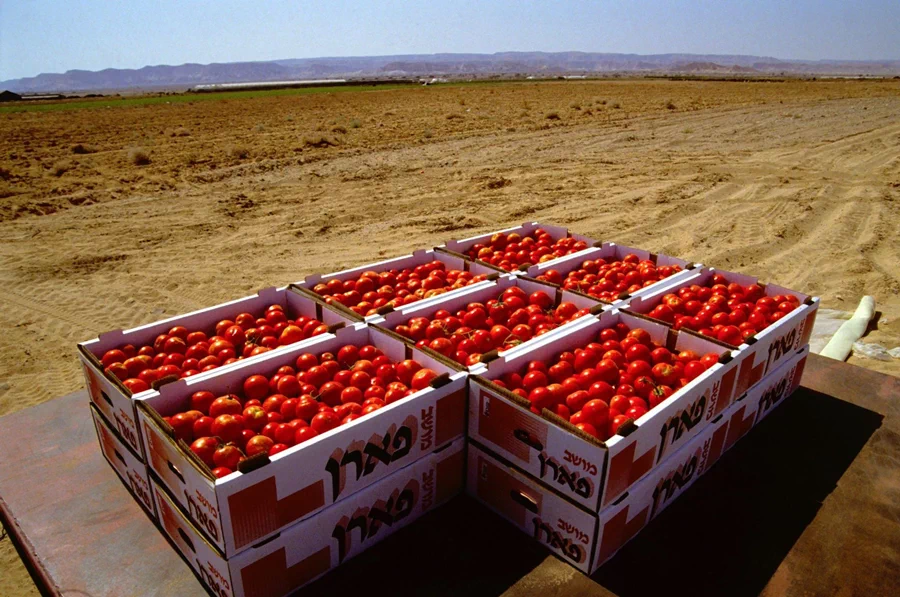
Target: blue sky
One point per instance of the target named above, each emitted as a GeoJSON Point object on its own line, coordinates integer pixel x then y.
{"type": "Point", "coordinates": [54, 36]}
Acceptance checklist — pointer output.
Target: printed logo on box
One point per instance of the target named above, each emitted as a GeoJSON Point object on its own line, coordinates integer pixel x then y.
{"type": "Point", "coordinates": [369, 520]}
{"type": "Point", "coordinates": [545, 533]}
{"type": "Point", "coordinates": [682, 421]}
{"type": "Point", "coordinates": [783, 345]}
{"type": "Point", "coordinates": [563, 476]}
{"type": "Point", "coordinates": [387, 449]}
{"type": "Point", "coordinates": [668, 486]}
{"type": "Point", "coordinates": [774, 394]}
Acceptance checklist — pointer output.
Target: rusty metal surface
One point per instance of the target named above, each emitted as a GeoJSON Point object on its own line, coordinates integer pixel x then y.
{"type": "Point", "coordinates": [807, 504]}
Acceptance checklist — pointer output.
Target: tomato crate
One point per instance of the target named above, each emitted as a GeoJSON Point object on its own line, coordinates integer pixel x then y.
{"type": "Point", "coordinates": [581, 537]}
{"type": "Point", "coordinates": [310, 548]}
{"type": "Point", "coordinates": [395, 322]}
{"type": "Point", "coordinates": [268, 493]}
{"type": "Point", "coordinates": [571, 274]}
{"type": "Point", "coordinates": [467, 248]}
{"type": "Point", "coordinates": [581, 466]}
{"type": "Point", "coordinates": [116, 401]}
{"type": "Point", "coordinates": [334, 287]}
{"type": "Point", "coordinates": [765, 349]}
{"type": "Point", "coordinates": [130, 468]}
{"type": "Point", "coordinates": [586, 539]}
{"type": "Point", "coordinates": [753, 406]}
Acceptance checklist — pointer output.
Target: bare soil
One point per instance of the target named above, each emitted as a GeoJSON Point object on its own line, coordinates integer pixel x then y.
{"type": "Point", "coordinates": [796, 182]}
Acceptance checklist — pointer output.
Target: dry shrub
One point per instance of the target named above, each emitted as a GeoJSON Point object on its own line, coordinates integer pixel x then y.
{"type": "Point", "coordinates": [82, 149]}
{"type": "Point", "coordinates": [319, 141]}
{"type": "Point", "coordinates": [670, 105]}
{"type": "Point", "coordinates": [5, 174]}
{"type": "Point", "coordinates": [238, 152]}
{"type": "Point", "coordinates": [355, 124]}
{"type": "Point", "coordinates": [552, 116]}
{"type": "Point", "coordinates": [61, 167]}
{"type": "Point", "coordinates": [138, 156]}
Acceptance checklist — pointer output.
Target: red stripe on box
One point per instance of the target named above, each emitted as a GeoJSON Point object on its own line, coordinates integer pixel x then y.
{"type": "Point", "coordinates": [256, 511]}
{"type": "Point", "coordinates": [727, 390]}
{"type": "Point", "coordinates": [618, 530]}
{"type": "Point", "coordinates": [798, 374]}
{"type": "Point", "coordinates": [160, 462]}
{"type": "Point", "coordinates": [619, 472]}
{"type": "Point", "coordinates": [717, 445]}
{"type": "Point", "coordinates": [495, 486]}
{"type": "Point", "coordinates": [807, 329]}
{"type": "Point", "coordinates": [738, 426]}
{"type": "Point", "coordinates": [270, 576]}
{"type": "Point", "coordinates": [498, 420]}
{"type": "Point", "coordinates": [450, 476]}
{"type": "Point", "coordinates": [451, 417]}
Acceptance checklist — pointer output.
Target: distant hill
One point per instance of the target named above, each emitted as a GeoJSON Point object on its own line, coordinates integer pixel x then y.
{"type": "Point", "coordinates": [479, 65]}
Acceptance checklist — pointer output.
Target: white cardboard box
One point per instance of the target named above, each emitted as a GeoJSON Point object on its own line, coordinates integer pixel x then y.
{"type": "Point", "coordinates": [309, 549]}
{"type": "Point", "coordinates": [767, 349]}
{"type": "Point", "coordinates": [481, 294]}
{"type": "Point", "coordinates": [125, 462]}
{"type": "Point", "coordinates": [242, 509]}
{"type": "Point", "coordinates": [586, 539]}
{"type": "Point", "coordinates": [592, 472]}
{"type": "Point", "coordinates": [459, 247]}
{"type": "Point", "coordinates": [578, 536]}
{"type": "Point", "coordinates": [419, 257]}
{"type": "Point", "coordinates": [608, 251]}
{"type": "Point", "coordinates": [753, 406]}
{"type": "Point", "coordinates": [115, 401]}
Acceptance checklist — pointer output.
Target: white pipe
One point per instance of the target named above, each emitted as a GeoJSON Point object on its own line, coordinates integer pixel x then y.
{"type": "Point", "coordinates": [841, 343]}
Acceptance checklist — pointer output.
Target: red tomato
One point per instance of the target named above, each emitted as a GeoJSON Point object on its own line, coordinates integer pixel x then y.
{"type": "Point", "coordinates": [225, 405]}
{"type": "Point", "coordinates": [325, 421]}
{"type": "Point", "coordinates": [256, 387]}
{"type": "Point", "coordinates": [228, 456]}
{"type": "Point", "coordinates": [259, 444]}
{"type": "Point", "coordinates": [227, 428]}
{"type": "Point", "coordinates": [205, 448]}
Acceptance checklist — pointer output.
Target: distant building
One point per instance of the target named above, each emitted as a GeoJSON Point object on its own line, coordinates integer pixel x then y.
{"type": "Point", "coordinates": [9, 96]}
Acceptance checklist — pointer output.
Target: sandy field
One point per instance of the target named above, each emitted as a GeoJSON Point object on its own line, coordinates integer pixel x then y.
{"type": "Point", "coordinates": [796, 182]}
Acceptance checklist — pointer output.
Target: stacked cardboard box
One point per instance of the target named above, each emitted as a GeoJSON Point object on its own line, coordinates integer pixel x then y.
{"type": "Point", "coordinates": [284, 520]}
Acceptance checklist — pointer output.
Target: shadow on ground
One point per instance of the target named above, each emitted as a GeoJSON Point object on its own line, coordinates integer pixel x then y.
{"type": "Point", "coordinates": [727, 534]}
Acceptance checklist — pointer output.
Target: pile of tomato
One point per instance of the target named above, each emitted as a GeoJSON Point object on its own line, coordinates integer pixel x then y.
{"type": "Point", "coordinates": [511, 318]}
{"type": "Point", "coordinates": [598, 387]}
{"type": "Point", "coordinates": [509, 251]}
{"type": "Point", "coordinates": [182, 353]}
{"type": "Point", "coordinates": [726, 311]}
{"type": "Point", "coordinates": [295, 404]}
{"type": "Point", "coordinates": [395, 288]}
{"type": "Point", "coordinates": [607, 280]}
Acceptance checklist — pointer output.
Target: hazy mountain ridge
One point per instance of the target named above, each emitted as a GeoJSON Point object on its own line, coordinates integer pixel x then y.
{"type": "Point", "coordinates": [502, 63]}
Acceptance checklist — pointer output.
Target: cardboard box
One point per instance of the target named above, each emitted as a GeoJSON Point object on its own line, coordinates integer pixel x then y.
{"type": "Point", "coordinates": [615, 252]}
{"type": "Point", "coordinates": [125, 462]}
{"type": "Point", "coordinates": [480, 294]}
{"type": "Point", "coordinates": [115, 401]}
{"type": "Point", "coordinates": [242, 509]}
{"type": "Point", "coordinates": [765, 351]}
{"type": "Point", "coordinates": [459, 247]}
{"type": "Point", "coordinates": [582, 468]}
{"type": "Point", "coordinates": [308, 549]}
{"type": "Point", "coordinates": [753, 406]}
{"type": "Point", "coordinates": [398, 263]}
{"type": "Point", "coordinates": [580, 537]}
{"type": "Point", "coordinates": [586, 539]}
